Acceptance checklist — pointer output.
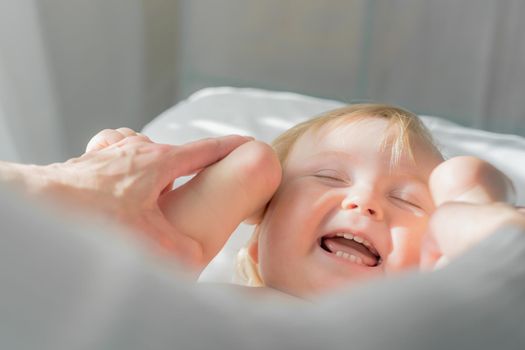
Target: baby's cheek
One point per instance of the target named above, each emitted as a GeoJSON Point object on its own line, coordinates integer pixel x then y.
{"type": "Point", "coordinates": [406, 249]}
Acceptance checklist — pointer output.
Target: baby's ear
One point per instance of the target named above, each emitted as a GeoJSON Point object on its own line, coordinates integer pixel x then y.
{"type": "Point", "coordinates": [253, 246]}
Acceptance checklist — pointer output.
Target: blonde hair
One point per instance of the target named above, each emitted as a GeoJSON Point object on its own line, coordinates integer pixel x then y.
{"type": "Point", "coordinates": [403, 123]}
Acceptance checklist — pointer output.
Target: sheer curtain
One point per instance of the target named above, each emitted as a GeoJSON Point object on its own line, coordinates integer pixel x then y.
{"type": "Point", "coordinates": [30, 128]}
{"type": "Point", "coordinates": [69, 68]}
{"type": "Point", "coordinates": [7, 147]}
{"type": "Point", "coordinates": [463, 60]}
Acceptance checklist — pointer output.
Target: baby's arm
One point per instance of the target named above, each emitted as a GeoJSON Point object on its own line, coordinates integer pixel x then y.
{"type": "Point", "coordinates": [470, 179]}
{"type": "Point", "coordinates": [211, 205]}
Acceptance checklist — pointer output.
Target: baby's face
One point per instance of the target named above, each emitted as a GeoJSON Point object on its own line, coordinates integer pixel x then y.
{"type": "Point", "coordinates": [342, 213]}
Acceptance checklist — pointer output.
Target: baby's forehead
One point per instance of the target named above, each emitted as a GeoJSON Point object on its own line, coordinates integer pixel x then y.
{"type": "Point", "coordinates": [370, 129]}
{"type": "Point", "coordinates": [344, 135]}
{"type": "Point", "coordinates": [367, 136]}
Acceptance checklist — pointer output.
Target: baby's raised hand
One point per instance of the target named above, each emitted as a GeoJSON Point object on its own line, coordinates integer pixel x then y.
{"type": "Point", "coordinates": [455, 226]}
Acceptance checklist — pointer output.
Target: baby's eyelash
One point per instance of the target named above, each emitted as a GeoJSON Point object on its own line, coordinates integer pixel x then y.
{"type": "Point", "coordinates": [328, 177]}
{"type": "Point", "coordinates": [331, 175]}
{"type": "Point", "coordinates": [407, 202]}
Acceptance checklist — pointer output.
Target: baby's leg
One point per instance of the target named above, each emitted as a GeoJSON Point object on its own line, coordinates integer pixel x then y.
{"type": "Point", "coordinates": [218, 198]}
{"type": "Point", "coordinates": [462, 179]}
{"type": "Point", "coordinates": [470, 179]}
{"type": "Point", "coordinates": [211, 205]}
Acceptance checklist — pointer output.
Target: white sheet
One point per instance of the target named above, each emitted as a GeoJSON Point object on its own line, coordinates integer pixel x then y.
{"type": "Point", "coordinates": [265, 114]}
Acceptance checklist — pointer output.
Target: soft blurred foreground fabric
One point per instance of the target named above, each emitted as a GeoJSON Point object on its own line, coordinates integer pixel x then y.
{"type": "Point", "coordinates": [69, 284]}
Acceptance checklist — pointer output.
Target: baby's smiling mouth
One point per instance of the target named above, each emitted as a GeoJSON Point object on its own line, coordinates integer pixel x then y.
{"type": "Point", "coordinates": [351, 247]}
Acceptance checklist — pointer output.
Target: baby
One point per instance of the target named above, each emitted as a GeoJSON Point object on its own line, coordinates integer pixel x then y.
{"type": "Point", "coordinates": [359, 184]}
{"type": "Point", "coordinates": [351, 194]}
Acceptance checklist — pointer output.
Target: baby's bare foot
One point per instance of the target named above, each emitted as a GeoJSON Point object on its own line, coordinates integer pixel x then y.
{"type": "Point", "coordinates": [470, 179]}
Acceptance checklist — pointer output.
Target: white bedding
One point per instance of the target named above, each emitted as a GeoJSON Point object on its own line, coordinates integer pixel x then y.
{"type": "Point", "coordinates": [265, 114]}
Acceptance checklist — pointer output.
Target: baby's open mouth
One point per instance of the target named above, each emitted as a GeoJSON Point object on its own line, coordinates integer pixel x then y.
{"type": "Point", "coordinates": [351, 247]}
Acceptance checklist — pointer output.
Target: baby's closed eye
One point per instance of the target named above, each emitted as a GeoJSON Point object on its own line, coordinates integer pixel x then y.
{"type": "Point", "coordinates": [332, 176]}
{"type": "Point", "coordinates": [406, 199]}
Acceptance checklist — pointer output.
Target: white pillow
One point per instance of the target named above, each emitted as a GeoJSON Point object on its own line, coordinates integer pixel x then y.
{"type": "Point", "coordinates": [265, 114]}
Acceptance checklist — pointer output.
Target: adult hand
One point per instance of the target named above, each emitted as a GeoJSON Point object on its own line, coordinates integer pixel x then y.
{"type": "Point", "coordinates": [122, 175]}
{"type": "Point", "coordinates": [454, 227]}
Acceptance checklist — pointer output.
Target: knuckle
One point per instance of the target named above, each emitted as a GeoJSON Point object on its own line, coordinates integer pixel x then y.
{"type": "Point", "coordinates": [106, 132]}
{"type": "Point", "coordinates": [160, 151]}
{"type": "Point", "coordinates": [126, 131]}
{"type": "Point", "coordinates": [134, 140]}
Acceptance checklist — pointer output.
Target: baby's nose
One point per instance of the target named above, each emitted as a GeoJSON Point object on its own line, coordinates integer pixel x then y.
{"type": "Point", "coordinates": [363, 206]}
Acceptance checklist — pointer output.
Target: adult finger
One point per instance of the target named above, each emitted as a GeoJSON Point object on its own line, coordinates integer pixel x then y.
{"type": "Point", "coordinates": [189, 158]}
